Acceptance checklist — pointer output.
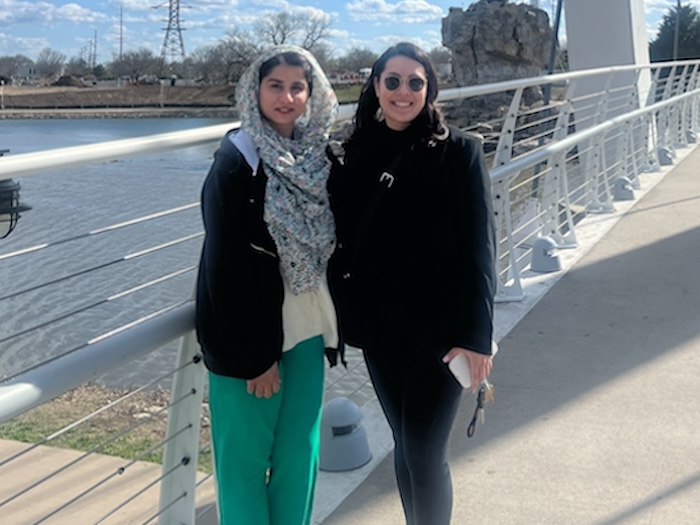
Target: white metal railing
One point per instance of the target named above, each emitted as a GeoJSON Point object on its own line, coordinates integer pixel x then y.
{"type": "Point", "coordinates": [551, 166]}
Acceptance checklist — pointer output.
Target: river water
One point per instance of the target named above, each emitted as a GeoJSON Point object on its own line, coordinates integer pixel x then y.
{"type": "Point", "coordinates": [83, 270]}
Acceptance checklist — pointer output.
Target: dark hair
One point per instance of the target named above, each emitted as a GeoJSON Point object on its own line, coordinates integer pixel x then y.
{"type": "Point", "coordinates": [429, 119]}
{"type": "Point", "coordinates": [290, 58]}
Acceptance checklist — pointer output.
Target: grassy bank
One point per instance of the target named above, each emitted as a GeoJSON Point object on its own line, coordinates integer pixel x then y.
{"type": "Point", "coordinates": [145, 411]}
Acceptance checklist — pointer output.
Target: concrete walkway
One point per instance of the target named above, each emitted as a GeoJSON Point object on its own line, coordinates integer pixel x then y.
{"type": "Point", "coordinates": [597, 412]}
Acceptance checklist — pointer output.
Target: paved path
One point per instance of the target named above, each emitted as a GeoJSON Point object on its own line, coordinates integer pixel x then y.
{"type": "Point", "coordinates": [597, 411]}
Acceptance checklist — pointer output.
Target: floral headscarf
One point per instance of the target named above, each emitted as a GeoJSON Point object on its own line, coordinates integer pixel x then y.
{"type": "Point", "coordinates": [296, 209]}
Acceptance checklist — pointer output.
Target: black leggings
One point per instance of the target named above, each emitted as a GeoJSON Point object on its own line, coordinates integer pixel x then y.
{"type": "Point", "coordinates": [420, 399]}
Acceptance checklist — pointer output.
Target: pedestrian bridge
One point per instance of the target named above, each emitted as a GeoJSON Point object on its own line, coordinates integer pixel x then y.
{"type": "Point", "coordinates": [596, 380]}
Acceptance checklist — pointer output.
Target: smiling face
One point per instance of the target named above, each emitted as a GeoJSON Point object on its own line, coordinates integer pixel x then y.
{"type": "Point", "coordinates": [401, 105]}
{"type": "Point", "coordinates": [283, 96]}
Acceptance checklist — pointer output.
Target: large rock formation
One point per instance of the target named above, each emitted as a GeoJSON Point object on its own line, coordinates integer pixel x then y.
{"type": "Point", "coordinates": [494, 40]}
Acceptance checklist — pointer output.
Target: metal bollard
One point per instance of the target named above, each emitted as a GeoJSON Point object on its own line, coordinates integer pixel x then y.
{"type": "Point", "coordinates": [344, 444]}
{"type": "Point", "coordinates": [544, 260]}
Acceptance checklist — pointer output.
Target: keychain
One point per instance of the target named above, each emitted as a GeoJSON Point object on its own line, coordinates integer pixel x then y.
{"type": "Point", "coordinates": [483, 396]}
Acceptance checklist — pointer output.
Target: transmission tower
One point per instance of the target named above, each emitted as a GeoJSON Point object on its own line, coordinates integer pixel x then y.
{"type": "Point", "coordinates": [173, 49]}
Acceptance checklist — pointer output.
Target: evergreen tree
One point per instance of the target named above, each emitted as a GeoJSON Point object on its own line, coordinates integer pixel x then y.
{"type": "Point", "coordinates": [661, 48]}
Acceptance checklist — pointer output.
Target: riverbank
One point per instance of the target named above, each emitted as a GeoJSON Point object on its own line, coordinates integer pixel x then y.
{"type": "Point", "coordinates": [37, 102]}
{"type": "Point", "coordinates": [106, 113]}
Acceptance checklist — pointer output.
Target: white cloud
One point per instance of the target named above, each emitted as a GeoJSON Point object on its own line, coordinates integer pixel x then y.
{"type": "Point", "coordinates": [77, 14]}
{"type": "Point", "coordinates": [12, 45]}
{"type": "Point", "coordinates": [44, 13]}
{"type": "Point", "coordinates": [406, 11]}
{"type": "Point", "coordinates": [281, 4]}
{"type": "Point", "coordinates": [311, 12]}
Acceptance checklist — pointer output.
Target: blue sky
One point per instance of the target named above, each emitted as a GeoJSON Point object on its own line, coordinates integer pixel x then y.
{"type": "Point", "coordinates": [26, 26]}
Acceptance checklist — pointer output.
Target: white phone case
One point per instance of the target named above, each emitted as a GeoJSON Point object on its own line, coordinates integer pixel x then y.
{"type": "Point", "coordinates": [459, 367]}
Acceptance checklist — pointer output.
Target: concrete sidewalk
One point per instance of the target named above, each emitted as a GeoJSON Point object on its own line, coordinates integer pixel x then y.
{"type": "Point", "coordinates": [597, 417]}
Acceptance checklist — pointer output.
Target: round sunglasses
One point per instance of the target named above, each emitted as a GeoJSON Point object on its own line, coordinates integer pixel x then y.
{"type": "Point", "coordinates": [393, 82]}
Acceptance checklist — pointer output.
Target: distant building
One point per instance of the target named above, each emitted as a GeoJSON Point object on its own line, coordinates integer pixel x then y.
{"type": "Point", "coordinates": [27, 75]}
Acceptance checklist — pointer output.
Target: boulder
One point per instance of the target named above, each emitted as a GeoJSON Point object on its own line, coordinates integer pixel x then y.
{"type": "Point", "coordinates": [495, 40]}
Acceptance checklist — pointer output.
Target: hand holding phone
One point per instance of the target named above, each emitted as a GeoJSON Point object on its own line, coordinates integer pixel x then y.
{"type": "Point", "coordinates": [459, 366]}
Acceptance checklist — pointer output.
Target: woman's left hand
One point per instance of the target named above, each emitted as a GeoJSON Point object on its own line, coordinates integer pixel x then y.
{"type": "Point", "coordinates": [479, 364]}
{"type": "Point", "coordinates": [266, 384]}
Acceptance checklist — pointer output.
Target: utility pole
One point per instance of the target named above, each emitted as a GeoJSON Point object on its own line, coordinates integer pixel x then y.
{"type": "Point", "coordinates": [93, 55]}
{"type": "Point", "coordinates": [121, 31]}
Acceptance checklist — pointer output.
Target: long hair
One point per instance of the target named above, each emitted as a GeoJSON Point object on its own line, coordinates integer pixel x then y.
{"type": "Point", "coordinates": [429, 122]}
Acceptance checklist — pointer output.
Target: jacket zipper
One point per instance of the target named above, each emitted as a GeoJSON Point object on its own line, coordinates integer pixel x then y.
{"type": "Point", "coordinates": [262, 250]}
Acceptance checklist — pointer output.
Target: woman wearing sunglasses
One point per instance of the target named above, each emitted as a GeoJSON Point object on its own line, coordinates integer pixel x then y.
{"type": "Point", "coordinates": [413, 274]}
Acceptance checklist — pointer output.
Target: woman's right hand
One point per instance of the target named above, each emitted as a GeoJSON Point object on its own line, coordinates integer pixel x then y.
{"type": "Point", "coordinates": [266, 384]}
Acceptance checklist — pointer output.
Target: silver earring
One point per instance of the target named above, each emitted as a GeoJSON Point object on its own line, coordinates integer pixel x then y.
{"type": "Point", "coordinates": [379, 115]}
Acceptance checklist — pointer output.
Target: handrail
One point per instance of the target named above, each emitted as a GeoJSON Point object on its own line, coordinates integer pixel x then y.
{"type": "Point", "coordinates": [45, 382]}
{"type": "Point", "coordinates": [27, 164]}
{"type": "Point", "coordinates": [541, 155]}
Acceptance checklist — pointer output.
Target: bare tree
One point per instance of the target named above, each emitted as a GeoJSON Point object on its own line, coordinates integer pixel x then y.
{"type": "Point", "coordinates": [10, 65]}
{"type": "Point", "coordinates": [324, 55]}
{"type": "Point", "coordinates": [307, 29]}
{"type": "Point", "coordinates": [201, 64]}
{"type": "Point", "coordinates": [357, 58]}
{"type": "Point", "coordinates": [280, 28]}
{"type": "Point", "coordinates": [49, 63]}
{"type": "Point", "coordinates": [226, 61]}
{"type": "Point", "coordinates": [136, 64]}
{"type": "Point", "coordinates": [77, 67]}
{"type": "Point", "coordinates": [236, 52]}
{"type": "Point", "coordinates": [440, 55]}
{"type": "Point", "coordinates": [314, 29]}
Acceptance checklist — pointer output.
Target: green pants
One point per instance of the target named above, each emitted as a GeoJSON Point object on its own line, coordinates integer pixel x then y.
{"type": "Point", "coordinates": [266, 450]}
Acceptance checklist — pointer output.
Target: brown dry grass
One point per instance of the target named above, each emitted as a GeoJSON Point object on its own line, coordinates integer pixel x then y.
{"type": "Point", "coordinates": [146, 411]}
{"type": "Point", "coordinates": [32, 90]}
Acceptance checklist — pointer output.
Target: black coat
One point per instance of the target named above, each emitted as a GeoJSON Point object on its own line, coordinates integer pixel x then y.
{"type": "Point", "coordinates": [420, 267]}
{"type": "Point", "coordinates": [239, 291]}
{"type": "Point", "coordinates": [239, 288]}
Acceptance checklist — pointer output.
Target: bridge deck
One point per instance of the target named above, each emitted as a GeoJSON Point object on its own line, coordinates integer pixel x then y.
{"type": "Point", "coordinates": [596, 415]}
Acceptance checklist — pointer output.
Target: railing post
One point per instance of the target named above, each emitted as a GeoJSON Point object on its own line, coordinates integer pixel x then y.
{"type": "Point", "coordinates": [180, 457]}
{"type": "Point", "coordinates": [596, 175]}
{"type": "Point", "coordinates": [651, 157]}
{"type": "Point", "coordinates": [509, 288]}
{"type": "Point", "coordinates": [560, 176]}
{"type": "Point", "coordinates": [504, 150]}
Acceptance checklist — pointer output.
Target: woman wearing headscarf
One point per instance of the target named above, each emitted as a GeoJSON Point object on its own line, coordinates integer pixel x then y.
{"type": "Point", "coordinates": [264, 312]}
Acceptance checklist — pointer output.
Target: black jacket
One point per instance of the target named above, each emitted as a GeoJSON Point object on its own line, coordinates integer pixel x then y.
{"type": "Point", "coordinates": [239, 291]}
{"type": "Point", "coordinates": [420, 266]}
